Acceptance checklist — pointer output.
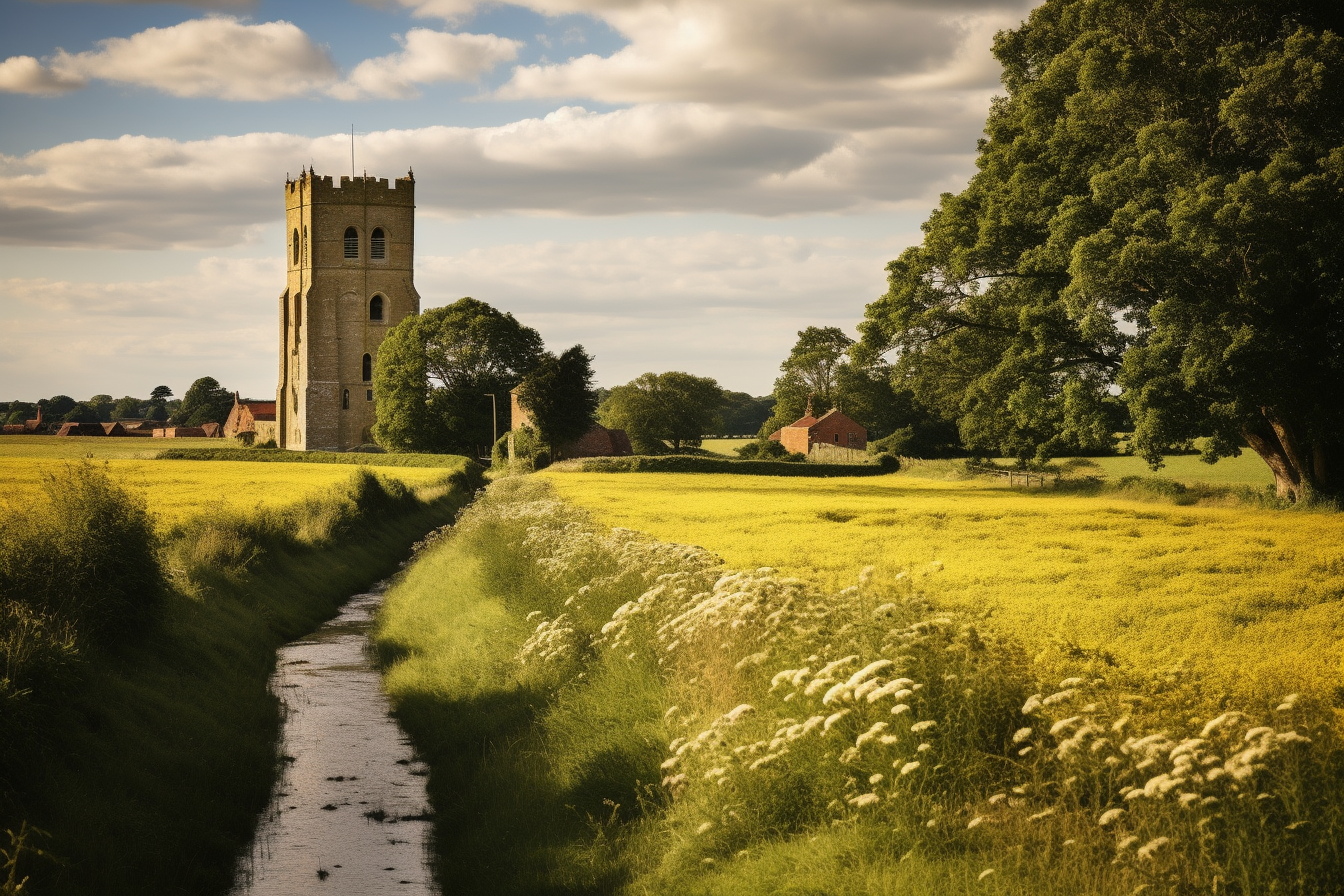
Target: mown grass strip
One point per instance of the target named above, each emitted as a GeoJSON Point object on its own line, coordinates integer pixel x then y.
{"type": "Point", "coordinates": [262, 455]}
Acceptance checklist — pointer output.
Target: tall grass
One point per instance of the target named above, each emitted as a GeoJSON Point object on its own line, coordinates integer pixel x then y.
{"type": "Point", "coordinates": [606, 713]}
{"type": "Point", "coordinates": [146, 750]}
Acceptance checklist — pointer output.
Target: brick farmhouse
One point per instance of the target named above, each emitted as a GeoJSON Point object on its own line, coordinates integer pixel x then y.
{"type": "Point", "coordinates": [832, 428]}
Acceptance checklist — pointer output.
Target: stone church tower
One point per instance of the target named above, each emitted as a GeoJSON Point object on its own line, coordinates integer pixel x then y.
{"type": "Point", "coordinates": [351, 250]}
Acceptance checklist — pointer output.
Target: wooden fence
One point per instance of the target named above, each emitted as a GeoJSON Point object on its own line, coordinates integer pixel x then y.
{"type": "Point", "coordinates": [1015, 477]}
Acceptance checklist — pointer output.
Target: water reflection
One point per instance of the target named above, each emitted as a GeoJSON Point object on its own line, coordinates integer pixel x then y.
{"type": "Point", "coordinates": [349, 812]}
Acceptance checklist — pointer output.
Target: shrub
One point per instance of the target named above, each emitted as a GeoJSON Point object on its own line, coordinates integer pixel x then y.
{"type": "Point", "coordinates": [86, 555]}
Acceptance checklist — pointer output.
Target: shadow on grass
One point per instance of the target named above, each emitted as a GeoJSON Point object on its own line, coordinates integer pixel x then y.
{"type": "Point", "coordinates": [503, 823]}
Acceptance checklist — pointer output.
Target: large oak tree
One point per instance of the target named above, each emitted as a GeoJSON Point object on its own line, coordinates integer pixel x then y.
{"type": "Point", "coordinates": [1158, 207]}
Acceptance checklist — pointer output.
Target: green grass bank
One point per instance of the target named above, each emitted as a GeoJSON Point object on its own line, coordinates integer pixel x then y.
{"type": "Point", "coordinates": [606, 713]}
{"type": "Point", "coordinates": [145, 749]}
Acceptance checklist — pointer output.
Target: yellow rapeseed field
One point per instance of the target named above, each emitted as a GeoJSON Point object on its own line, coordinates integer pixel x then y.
{"type": "Point", "coordinates": [177, 490]}
{"type": "Point", "coordinates": [1250, 598]}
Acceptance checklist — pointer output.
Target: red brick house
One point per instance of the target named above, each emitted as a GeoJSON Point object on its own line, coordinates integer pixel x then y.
{"type": "Point", "coordinates": [596, 442]}
{"type": "Point", "coordinates": [832, 428]}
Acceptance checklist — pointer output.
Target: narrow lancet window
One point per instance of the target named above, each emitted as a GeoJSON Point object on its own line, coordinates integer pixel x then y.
{"type": "Point", "coordinates": [345, 399]}
{"type": "Point", "coordinates": [351, 242]}
{"type": "Point", "coordinates": [377, 243]}
{"type": "Point", "coordinates": [376, 308]}
{"type": "Point", "coordinates": [368, 368]}
{"type": "Point", "coordinates": [298, 311]}
{"type": "Point", "coordinates": [296, 245]}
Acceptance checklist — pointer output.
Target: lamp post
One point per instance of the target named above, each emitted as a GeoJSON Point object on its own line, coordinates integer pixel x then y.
{"type": "Point", "coordinates": [494, 420]}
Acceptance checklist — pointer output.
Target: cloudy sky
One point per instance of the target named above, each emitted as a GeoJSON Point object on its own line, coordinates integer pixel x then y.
{"type": "Point", "coordinates": [677, 184]}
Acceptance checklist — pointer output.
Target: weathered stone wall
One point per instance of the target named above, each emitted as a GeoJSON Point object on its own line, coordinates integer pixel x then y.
{"type": "Point", "coordinates": [323, 400]}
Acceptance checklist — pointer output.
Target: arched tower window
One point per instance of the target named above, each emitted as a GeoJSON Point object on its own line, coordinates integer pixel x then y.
{"type": "Point", "coordinates": [296, 245]}
{"type": "Point", "coordinates": [377, 243]}
{"type": "Point", "coordinates": [298, 311]}
{"type": "Point", "coordinates": [351, 242]}
{"type": "Point", "coordinates": [376, 308]}
{"type": "Point", "coordinates": [367, 368]}
{"type": "Point", "coordinates": [345, 399]}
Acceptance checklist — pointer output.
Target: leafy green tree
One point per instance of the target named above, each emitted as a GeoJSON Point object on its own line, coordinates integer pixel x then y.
{"type": "Point", "coordinates": [56, 407]}
{"type": "Point", "coordinates": [126, 407]}
{"type": "Point", "coordinates": [662, 410]}
{"type": "Point", "coordinates": [80, 413]}
{"type": "Point", "coordinates": [20, 412]}
{"type": "Point", "coordinates": [205, 402]}
{"type": "Point", "coordinates": [102, 406]}
{"type": "Point", "coordinates": [1157, 207]}
{"type": "Point", "coordinates": [558, 395]}
{"type": "Point", "coordinates": [434, 370]}
{"type": "Point", "coordinates": [743, 414]}
{"type": "Point", "coordinates": [158, 403]}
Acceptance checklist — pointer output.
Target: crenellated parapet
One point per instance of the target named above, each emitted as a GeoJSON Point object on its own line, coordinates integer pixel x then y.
{"type": "Point", "coordinates": [314, 189]}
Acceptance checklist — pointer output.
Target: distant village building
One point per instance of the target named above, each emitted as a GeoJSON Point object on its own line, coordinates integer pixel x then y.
{"type": "Point", "coordinates": [31, 427]}
{"type": "Point", "coordinates": [351, 252]}
{"type": "Point", "coordinates": [253, 422]}
{"type": "Point", "coordinates": [832, 428]}
{"type": "Point", "coordinates": [596, 442]}
{"type": "Point", "coordinates": [81, 429]}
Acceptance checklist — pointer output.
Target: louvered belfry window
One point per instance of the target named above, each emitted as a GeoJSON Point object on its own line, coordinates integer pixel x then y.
{"type": "Point", "coordinates": [377, 243]}
{"type": "Point", "coordinates": [351, 242]}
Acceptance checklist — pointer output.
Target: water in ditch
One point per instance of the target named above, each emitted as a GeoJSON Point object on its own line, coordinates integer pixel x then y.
{"type": "Point", "coordinates": [349, 813]}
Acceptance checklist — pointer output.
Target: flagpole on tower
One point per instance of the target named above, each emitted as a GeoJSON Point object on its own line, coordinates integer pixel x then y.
{"type": "Point", "coordinates": [352, 150]}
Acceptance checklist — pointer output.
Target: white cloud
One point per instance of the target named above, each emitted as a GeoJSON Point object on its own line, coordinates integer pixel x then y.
{"type": "Point", "coordinates": [24, 74]}
{"type": "Point", "coordinates": [225, 58]}
{"type": "Point", "coordinates": [650, 158]}
{"type": "Point", "coordinates": [719, 304]}
{"type": "Point", "coordinates": [217, 56]}
{"type": "Point", "coordinates": [427, 56]}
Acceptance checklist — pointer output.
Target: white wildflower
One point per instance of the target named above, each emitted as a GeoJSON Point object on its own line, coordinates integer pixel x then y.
{"type": "Point", "coordinates": [876, 779]}
{"type": "Point", "coordinates": [909, 767]}
{"type": "Point", "coordinates": [1021, 734]}
{"type": "Point", "coordinates": [868, 671]}
{"type": "Point", "coordinates": [1109, 816]}
{"type": "Point", "coordinates": [899, 708]}
{"type": "Point", "coordinates": [997, 798]}
{"type": "Point", "coordinates": [923, 748]}
{"type": "Point", "coordinates": [1070, 682]}
{"type": "Point", "coordinates": [986, 873]}
{"type": "Point", "coordinates": [1033, 703]}
{"type": "Point", "coordinates": [1226, 718]}
{"type": "Point", "coordinates": [833, 718]}
{"type": "Point", "coordinates": [871, 733]}
{"type": "Point", "coordinates": [1060, 697]}
{"type": "Point", "coordinates": [1064, 724]}
{"type": "Point", "coordinates": [921, 727]}
{"type": "Point", "coordinates": [1127, 842]}
{"type": "Point", "coordinates": [975, 822]}
{"type": "Point", "coordinates": [733, 715]}
{"type": "Point", "coordinates": [863, 799]}
{"type": "Point", "coordinates": [1152, 846]}
{"type": "Point", "coordinates": [707, 826]}
{"type": "Point", "coordinates": [1044, 813]}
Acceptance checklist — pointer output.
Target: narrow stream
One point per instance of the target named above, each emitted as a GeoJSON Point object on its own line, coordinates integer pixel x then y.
{"type": "Point", "coordinates": [349, 813]}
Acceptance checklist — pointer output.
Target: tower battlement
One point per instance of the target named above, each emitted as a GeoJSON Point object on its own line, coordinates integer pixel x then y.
{"type": "Point", "coordinates": [320, 188]}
